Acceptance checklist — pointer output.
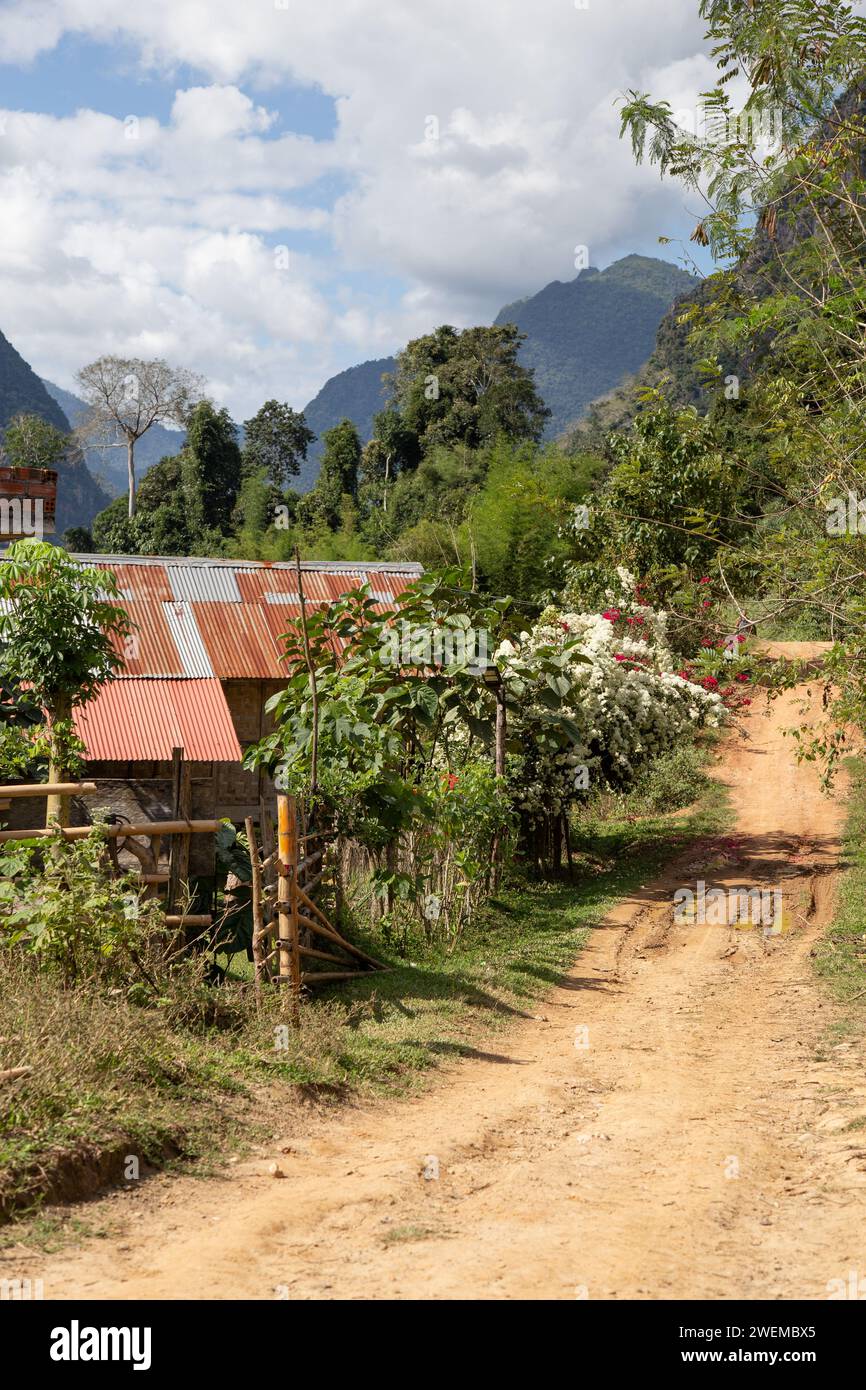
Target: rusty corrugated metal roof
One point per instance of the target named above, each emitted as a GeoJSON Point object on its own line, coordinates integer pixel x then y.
{"type": "Point", "coordinates": [238, 640]}
{"type": "Point", "coordinates": [196, 622]}
{"type": "Point", "coordinates": [150, 649]}
{"type": "Point", "coordinates": [134, 720]}
{"type": "Point", "coordinates": [200, 618]}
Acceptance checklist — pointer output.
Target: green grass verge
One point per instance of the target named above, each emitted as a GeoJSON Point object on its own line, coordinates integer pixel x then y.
{"type": "Point", "coordinates": [841, 956]}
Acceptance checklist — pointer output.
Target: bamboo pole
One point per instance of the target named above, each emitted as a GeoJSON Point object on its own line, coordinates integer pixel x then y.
{"type": "Point", "coordinates": [308, 902]}
{"type": "Point", "coordinates": [115, 832]}
{"type": "Point", "coordinates": [287, 843]}
{"type": "Point", "coordinates": [50, 789]}
{"type": "Point", "coordinates": [320, 955]}
{"type": "Point", "coordinates": [331, 935]}
{"type": "Point", "coordinates": [310, 859]}
{"type": "Point", "coordinates": [314, 693]}
{"type": "Point", "coordinates": [258, 915]}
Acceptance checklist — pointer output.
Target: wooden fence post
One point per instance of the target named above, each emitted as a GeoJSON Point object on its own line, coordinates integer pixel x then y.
{"type": "Point", "coordinates": [258, 913]}
{"type": "Point", "coordinates": [290, 960]}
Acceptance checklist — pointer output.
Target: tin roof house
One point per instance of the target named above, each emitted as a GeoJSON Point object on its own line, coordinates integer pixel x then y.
{"type": "Point", "coordinates": [203, 659]}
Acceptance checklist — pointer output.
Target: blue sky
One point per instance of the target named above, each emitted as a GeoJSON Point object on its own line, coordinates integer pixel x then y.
{"type": "Point", "coordinates": [269, 194]}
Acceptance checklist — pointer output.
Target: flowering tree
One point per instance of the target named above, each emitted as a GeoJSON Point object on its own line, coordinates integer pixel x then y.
{"type": "Point", "coordinates": [614, 702]}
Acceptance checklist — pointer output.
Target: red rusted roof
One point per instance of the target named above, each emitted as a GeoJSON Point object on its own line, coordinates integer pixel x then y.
{"type": "Point", "coordinates": [133, 720]}
{"type": "Point", "coordinates": [238, 640]}
{"type": "Point", "coordinates": [150, 649]}
{"type": "Point", "coordinates": [196, 622]}
{"type": "Point", "coordinates": [223, 618]}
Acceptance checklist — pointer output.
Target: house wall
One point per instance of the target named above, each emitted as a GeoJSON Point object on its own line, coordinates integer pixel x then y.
{"type": "Point", "coordinates": [143, 790]}
{"type": "Point", "coordinates": [238, 792]}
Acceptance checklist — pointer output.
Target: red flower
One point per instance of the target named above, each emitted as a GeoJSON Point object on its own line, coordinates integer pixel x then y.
{"type": "Point", "coordinates": [707, 603]}
{"type": "Point", "coordinates": [741, 637]}
{"type": "Point", "coordinates": [707, 642]}
{"type": "Point", "coordinates": [565, 627]}
{"type": "Point", "coordinates": [612, 614]}
{"type": "Point", "coordinates": [741, 676]}
{"type": "Point", "coordinates": [618, 656]}
{"type": "Point", "coordinates": [709, 682]}
{"type": "Point", "coordinates": [451, 779]}
{"type": "Point", "coordinates": [705, 580]}
{"type": "Point", "coordinates": [746, 702]}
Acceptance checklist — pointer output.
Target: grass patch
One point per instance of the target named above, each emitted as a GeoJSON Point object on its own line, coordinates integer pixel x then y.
{"type": "Point", "coordinates": [194, 1078]}
{"type": "Point", "coordinates": [402, 1235]}
{"type": "Point", "coordinates": [841, 956]}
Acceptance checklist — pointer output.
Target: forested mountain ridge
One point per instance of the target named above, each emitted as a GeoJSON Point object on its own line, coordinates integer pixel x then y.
{"type": "Point", "coordinates": [585, 335]}
{"type": "Point", "coordinates": [356, 394]}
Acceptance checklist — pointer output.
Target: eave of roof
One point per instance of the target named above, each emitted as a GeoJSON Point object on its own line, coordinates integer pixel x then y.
{"type": "Point", "coordinates": [135, 720]}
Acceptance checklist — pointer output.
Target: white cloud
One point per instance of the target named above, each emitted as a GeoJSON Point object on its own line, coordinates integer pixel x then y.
{"type": "Point", "coordinates": [122, 233]}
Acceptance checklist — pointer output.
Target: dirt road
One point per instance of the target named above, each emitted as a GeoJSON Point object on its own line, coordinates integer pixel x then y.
{"type": "Point", "coordinates": [699, 1145]}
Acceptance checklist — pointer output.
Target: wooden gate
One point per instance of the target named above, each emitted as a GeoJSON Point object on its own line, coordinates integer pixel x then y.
{"type": "Point", "coordinates": [286, 916]}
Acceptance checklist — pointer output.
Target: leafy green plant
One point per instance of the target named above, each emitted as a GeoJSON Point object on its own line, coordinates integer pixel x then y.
{"type": "Point", "coordinates": [59, 903]}
{"type": "Point", "coordinates": [60, 629]}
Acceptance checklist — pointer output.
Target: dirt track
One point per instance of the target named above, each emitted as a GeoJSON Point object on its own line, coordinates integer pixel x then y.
{"type": "Point", "coordinates": [697, 1148]}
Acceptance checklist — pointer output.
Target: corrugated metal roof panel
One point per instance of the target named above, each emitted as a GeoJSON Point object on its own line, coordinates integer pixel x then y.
{"type": "Point", "coordinates": [408, 568]}
{"type": "Point", "coordinates": [201, 584]}
{"type": "Point", "coordinates": [229, 615]}
{"type": "Point", "coordinates": [143, 720]}
{"type": "Point", "coordinates": [279, 619]}
{"type": "Point", "coordinates": [140, 581]}
{"type": "Point", "coordinates": [187, 636]}
{"type": "Point", "coordinates": [151, 649]}
{"type": "Point", "coordinates": [256, 584]}
{"type": "Point", "coordinates": [238, 640]}
{"type": "Point", "coordinates": [319, 586]}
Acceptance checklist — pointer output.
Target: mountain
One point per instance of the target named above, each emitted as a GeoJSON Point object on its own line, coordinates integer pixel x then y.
{"type": "Point", "coordinates": [79, 495]}
{"type": "Point", "coordinates": [21, 391]}
{"type": "Point", "coordinates": [109, 465]}
{"type": "Point", "coordinates": [356, 394]}
{"type": "Point", "coordinates": [585, 335]}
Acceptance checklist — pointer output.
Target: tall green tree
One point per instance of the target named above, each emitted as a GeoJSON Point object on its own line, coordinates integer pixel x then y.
{"type": "Point", "coordinates": [127, 396]}
{"type": "Point", "coordinates": [337, 482]}
{"type": "Point", "coordinates": [276, 441]}
{"type": "Point", "coordinates": [211, 467]}
{"type": "Point", "coordinates": [783, 180]}
{"type": "Point", "coordinates": [466, 387]}
{"type": "Point", "coordinates": [59, 628]}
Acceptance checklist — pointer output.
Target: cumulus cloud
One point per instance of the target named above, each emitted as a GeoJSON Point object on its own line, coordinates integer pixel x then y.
{"type": "Point", "coordinates": [475, 147]}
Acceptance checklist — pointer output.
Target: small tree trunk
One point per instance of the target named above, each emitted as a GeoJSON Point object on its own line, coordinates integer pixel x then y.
{"type": "Point", "coordinates": [130, 468]}
{"type": "Point", "coordinates": [57, 807]}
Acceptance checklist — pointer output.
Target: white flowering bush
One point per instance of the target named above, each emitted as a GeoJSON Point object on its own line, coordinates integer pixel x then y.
{"type": "Point", "coordinates": [593, 697]}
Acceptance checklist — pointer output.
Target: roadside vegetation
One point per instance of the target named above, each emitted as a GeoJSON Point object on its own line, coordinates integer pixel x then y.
{"type": "Point", "coordinates": [192, 1073]}
{"type": "Point", "coordinates": [841, 956]}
